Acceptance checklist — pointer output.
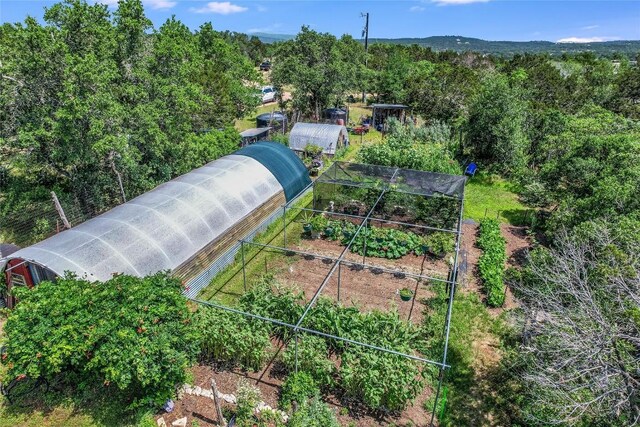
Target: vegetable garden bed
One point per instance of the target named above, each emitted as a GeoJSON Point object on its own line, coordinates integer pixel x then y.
{"type": "Point", "coordinates": [356, 270]}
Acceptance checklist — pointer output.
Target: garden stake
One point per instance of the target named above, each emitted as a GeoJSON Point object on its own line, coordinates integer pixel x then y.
{"type": "Point", "coordinates": [244, 273]}
{"type": "Point", "coordinates": [221, 420]}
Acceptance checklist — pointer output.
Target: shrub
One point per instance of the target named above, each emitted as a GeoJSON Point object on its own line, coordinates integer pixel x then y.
{"type": "Point", "coordinates": [232, 339]}
{"type": "Point", "coordinates": [298, 387]}
{"type": "Point", "coordinates": [270, 299]}
{"type": "Point", "coordinates": [405, 147]}
{"type": "Point", "coordinates": [129, 333]}
{"type": "Point", "coordinates": [440, 243]}
{"type": "Point", "coordinates": [492, 260]}
{"type": "Point", "coordinates": [312, 150]}
{"type": "Point", "coordinates": [313, 413]}
{"type": "Point", "coordinates": [334, 319]}
{"type": "Point", "coordinates": [248, 396]}
{"type": "Point", "coordinates": [382, 381]}
{"type": "Point", "coordinates": [312, 359]}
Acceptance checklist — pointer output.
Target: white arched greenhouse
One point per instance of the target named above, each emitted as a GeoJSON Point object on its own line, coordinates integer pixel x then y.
{"type": "Point", "coordinates": [329, 137]}
{"type": "Point", "coordinates": [182, 226]}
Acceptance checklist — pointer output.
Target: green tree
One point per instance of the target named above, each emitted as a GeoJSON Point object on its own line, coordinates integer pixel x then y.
{"type": "Point", "coordinates": [495, 127]}
{"type": "Point", "coordinates": [90, 99]}
{"type": "Point", "coordinates": [320, 68]}
{"type": "Point", "coordinates": [592, 168]}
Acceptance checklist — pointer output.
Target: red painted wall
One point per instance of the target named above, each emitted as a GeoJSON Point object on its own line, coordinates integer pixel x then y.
{"type": "Point", "coordinates": [23, 270]}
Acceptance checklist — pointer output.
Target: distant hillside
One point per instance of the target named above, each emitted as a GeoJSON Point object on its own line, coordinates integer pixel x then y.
{"type": "Point", "coordinates": [463, 44]}
{"type": "Point", "coordinates": [629, 48]}
{"type": "Point", "coordinates": [272, 38]}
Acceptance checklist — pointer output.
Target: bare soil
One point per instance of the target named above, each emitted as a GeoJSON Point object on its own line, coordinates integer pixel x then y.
{"type": "Point", "coordinates": [368, 289]}
{"type": "Point", "coordinates": [269, 380]}
{"type": "Point", "coordinates": [517, 245]}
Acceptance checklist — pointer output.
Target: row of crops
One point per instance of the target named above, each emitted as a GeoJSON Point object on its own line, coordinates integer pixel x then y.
{"type": "Point", "coordinates": [492, 260]}
{"type": "Point", "coordinates": [381, 242]}
{"type": "Point", "coordinates": [380, 381]}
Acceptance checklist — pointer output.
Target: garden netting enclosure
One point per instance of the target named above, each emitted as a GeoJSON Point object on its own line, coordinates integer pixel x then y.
{"type": "Point", "coordinates": [364, 247]}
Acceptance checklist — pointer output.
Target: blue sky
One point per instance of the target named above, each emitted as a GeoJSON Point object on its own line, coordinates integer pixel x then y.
{"type": "Point", "coordinates": [571, 20]}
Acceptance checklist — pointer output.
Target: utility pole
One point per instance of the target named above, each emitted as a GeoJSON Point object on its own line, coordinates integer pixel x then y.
{"type": "Point", "coordinates": [365, 34]}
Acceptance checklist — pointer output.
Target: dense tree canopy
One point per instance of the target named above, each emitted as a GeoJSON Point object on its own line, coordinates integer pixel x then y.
{"type": "Point", "coordinates": [90, 98]}
{"type": "Point", "coordinates": [320, 68]}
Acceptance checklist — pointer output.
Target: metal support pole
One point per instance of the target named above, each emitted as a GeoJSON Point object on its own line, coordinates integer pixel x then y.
{"type": "Point", "coordinates": [313, 205]}
{"type": "Point", "coordinates": [284, 225]}
{"type": "Point", "coordinates": [364, 251]}
{"type": "Point", "coordinates": [339, 274]}
{"type": "Point", "coordinates": [435, 402]}
{"type": "Point", "coordinates": [296, 350]}
{"type": "Point", "coordinates": [244, 272]}
{"type": "Point", "coordinates": [365, 32]}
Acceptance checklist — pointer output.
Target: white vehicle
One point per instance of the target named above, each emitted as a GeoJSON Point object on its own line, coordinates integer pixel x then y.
{"type": "Point", "coordinates": [268, 94]}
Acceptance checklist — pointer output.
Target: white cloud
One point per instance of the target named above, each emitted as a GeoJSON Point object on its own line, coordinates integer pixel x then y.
{"type": "Point", "coordinates": [160, 4]}
{"type": "Point", "coordinates": [261, 8]}
{"type": "Point", "coordinates": [416, 9]}
{"type": "Point", "coordinates": [591, 27]}
{"type": "Point", "coordinates": [586, 39]}
{"type": "Point", "coordinates": [456, 2]}
{"type": "Point", "coordinates": [110, 3]}
{"type": "Point", "coordinates": [268, 29]}
{"type": "Point", "coordinates": [220, 7]}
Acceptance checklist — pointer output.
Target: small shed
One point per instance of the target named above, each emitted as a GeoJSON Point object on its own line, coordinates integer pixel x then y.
{"type": "Point", "coordinates": [382, 112]}
{"type": "Point", "coordinates": [251, 136]}
{"type": "Point", "coordinates": [334, 115]}
{"type": "Point", "coordinates": [275, 120]}
{"type": "Point", "coordinates": [329, 137]}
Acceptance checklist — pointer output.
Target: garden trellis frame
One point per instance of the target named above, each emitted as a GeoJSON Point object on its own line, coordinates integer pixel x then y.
{"type": "Point", "coordinates": [385, 180]}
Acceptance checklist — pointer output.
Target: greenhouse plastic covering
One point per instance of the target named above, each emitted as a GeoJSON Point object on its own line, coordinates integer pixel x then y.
{"type": "Point", "coordinates": [322, 135]}
{"type": "Point", "coordinates": [282, 163]}
{"type": "Point", "coordinates": [404, 180]}
{"type": "Point", "coordinates": [165, 227]}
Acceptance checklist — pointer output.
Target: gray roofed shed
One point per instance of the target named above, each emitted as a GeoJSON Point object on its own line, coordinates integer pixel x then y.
{"type": "Point", "coordinates": [329, 137]}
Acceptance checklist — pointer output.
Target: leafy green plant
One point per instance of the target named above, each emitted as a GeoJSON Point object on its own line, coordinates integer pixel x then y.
{"type": "Point", "coordinates": [231, 339]}
{"type": "Point", "coordinates": [405, 148]}
{"type": "Point", "coordinates": [248, 396]}
{"type": "Point", "coordinates": [440, 243]}
{"type": "Point", "coordinates": [388, 242]}
{"type": "Point", "coordinates": [298, 387]}
{"type": "Point", "coordinates": [313, 358]}
{"type": "Point", "coordinates": [492, 260]}
{"type": "Point", "coordinates": [131, 334]}
{"type": "Point", "coordinates": [406, 294]}
{"type": "Point", "coordinates": [313, 413]}
{"type": "Point", "coordinates": [382, 381]}
{"type": "Point", "coordinates": [270, 299]}
{"type": "Point", "coordinates": [319, 223]}
{"type": "Point", "coordinates": [312, 150]}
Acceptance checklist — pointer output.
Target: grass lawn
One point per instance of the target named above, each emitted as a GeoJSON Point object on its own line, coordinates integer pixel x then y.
{"type": "Point", "coordinates": [249, 122]}
{"type": "Point", "coordinates": [491, 196]}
